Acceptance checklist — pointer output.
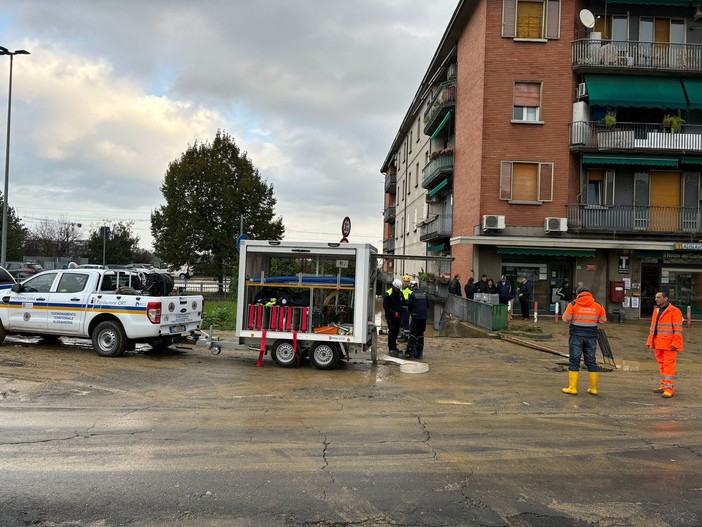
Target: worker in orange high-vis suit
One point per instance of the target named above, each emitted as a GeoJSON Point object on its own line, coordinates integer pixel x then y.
{"type": "Point", "coordinates": [665, 338]}
{"type": "Point", "coordinates": [584, 314]}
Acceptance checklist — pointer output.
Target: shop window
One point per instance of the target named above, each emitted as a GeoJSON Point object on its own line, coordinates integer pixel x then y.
{"type": "Point", "coordinates": [526, 182]}
{"type": "Point", "coordinates": [527, 102]}
{"type": "Point", "coordinates": [531, 19]}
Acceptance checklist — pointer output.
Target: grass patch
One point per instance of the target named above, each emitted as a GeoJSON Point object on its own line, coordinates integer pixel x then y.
{"type": "Point", "coordinates": [220, 314]}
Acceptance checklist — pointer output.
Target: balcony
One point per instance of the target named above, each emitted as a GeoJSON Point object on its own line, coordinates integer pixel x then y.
{"type": "Point", "coordinates": [391, 183]}
{"type": "Point", "coordinates": [634, 219]}
{"type": "Point", "coordinates": [389, 214]}
{"type": "Point", "coordinates": [590, 136]}
{"type": "Point", "coordinates": [600, 55]}
{"type": "Point", "coordinates": [438, 227]}
{"type": "Point", "coordinates": [388, 245]}
{"type": "Point", "coordinates": [440, 105]}
{"type": "Point", "coordinates": [441, 165]}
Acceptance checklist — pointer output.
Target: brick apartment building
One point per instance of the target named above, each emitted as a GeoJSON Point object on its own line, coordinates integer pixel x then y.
{"type": "Point", "coordinates": [558, 140]}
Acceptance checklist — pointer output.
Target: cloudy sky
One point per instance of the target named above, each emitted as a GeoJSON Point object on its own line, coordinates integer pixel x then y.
{"type": "Point", "coordinates": [313, 90]}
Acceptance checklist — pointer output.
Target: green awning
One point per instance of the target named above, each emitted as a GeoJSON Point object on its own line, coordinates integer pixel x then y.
{"type": "Point", "coordinates": [434, 248]}
{"type": "Point", "coordinates": [433, 192]}
{"type": "Point", "coordinates": [635, 91]}
{"type": "Point", "coordinates": [545, 251]}
{"type": "Point", "coordinates": [693, 87]}
{"type": "Point", "coordinates": [443, 123]}
{"type": "Point", "coordinates": [691, 160]}
{"type": "Point", "coordinates": [594, 159]}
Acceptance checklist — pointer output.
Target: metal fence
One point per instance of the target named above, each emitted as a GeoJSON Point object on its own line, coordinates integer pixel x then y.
{"type": "Point", "coordinates": [483, 315]}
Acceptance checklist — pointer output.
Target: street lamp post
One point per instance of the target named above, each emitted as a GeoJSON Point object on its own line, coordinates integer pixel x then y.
{"type": "Point", "coordinates": [3, 250]}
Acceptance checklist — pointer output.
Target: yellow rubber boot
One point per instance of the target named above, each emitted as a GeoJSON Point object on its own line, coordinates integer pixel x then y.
{"type": "Point", "coordinates": [572, 388]}
{"type": "Point", "coordinates": [592, 390]}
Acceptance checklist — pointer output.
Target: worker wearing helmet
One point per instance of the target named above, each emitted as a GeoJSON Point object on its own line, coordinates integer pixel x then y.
{"type": "Point", "coordinates": [405, 319]}
{"type": "Point", "coordinates": [393, 302]}
{"type": "Point", "coordinates": [419, 308]}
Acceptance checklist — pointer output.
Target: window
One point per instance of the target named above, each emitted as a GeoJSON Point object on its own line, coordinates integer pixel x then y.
{"type": "Point", "coordinates": [527, 101]}
{"type": "Point", "coordinates": [72, 283]}
{"type": "Point", "coordinates": [416, 177]}
{"type": "Point", "coordinates": [531, 19]}
{"type": "Point", "coordinates": [415, 220]}
{"type": "Point", "coordinates": [409, 182]}
{"type": "Point", "coordinates": [524, 182]}
{"type": "Point", "coordinates": [594, 191]}
{"type": "Point", "coordinates": [410, 141]}
{"type": "Point", "coordinates": [418, 121]}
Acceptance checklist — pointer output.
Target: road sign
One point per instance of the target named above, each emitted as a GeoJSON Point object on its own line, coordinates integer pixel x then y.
{"type": "Point", "coordinates": [346, 227]}
{"type": "Point", "coordinates": [240, 239]}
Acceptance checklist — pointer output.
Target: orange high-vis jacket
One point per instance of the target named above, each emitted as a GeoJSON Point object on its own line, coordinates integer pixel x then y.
{"type": "Point", "coordinates": [584, 314]}
{"type": "Point", "coordinates": [669, 331]}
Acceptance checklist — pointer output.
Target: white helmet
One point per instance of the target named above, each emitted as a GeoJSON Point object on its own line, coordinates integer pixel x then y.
{"type": "Point", "coordinates": [397, 283]}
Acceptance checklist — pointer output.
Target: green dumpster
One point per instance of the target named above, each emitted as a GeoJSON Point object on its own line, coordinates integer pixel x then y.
{"type": "Point", "coordinates": [499, 316]}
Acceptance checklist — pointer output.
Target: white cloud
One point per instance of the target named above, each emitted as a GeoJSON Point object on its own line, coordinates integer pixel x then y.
{"type": "Point", "coordinates": [313, 90]}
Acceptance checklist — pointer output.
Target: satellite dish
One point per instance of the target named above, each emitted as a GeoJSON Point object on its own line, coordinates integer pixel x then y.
{"type": "Point", "coordinates": [587, 18]}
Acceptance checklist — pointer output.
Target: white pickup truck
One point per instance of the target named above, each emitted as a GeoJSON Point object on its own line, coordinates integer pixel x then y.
{"type": "Point", "coordinates": [114, 308]}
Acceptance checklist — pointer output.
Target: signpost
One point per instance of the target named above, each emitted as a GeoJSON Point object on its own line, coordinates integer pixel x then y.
{"type": "Point", "coordinates": [240, 239]}
{"type": "Point", "coordinates": [345, 230]}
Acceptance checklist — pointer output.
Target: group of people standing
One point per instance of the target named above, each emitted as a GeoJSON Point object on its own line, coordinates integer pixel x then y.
{"type": "Point", "coordinates": [584, 315]}
{"type": "Point", "coordinates": [665, 339]}
{"type": "Point", "coordinates": [504, 289]}
{"type": "Point", "coordinates": [406, 308]}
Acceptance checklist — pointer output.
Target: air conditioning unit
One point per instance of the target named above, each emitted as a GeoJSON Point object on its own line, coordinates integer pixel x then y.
{"type": "Point", "coordinates": [556, 224]}
{"type": "Point", "coordinates": [582, 90]}
{"type": "Point", "coordinates": [698, 13]}
{"type": "Point", "coordinates": [493, 222]}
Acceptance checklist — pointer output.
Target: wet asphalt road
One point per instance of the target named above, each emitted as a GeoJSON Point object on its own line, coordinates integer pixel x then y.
{"type": "Point", "coordinates": [485, 438]}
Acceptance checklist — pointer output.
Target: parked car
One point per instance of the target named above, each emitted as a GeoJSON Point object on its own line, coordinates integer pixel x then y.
{"type": "Point", "coordinates": [22, 270]}
{"type": "Point", "coordinates": [141, 267]}
{"type": "Point", "coordinates": [183, 272]}
{"type": "Point", "coordinates": [6, 279]}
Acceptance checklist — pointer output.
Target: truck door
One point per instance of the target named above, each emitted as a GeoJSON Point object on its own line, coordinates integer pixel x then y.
{"type": "Point", "coordinates": [29, 309]}
{"type": "Point", "coordinates": [68, 304]}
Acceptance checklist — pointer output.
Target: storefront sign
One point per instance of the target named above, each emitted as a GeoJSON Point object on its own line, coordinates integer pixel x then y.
{"type": "Point", "coordinates": [623, 264]}
{"type": "Point", "coordinates": [688, 246]}
{"type": "Point", "coordinates": [591, 267]}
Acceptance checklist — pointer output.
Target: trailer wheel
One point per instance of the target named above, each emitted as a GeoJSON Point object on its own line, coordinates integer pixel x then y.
{"type": "Point", "coordinates": [283, 353]}
{"type": "Point", "coordinates": [325, 356]}
{"type": "Point", "coordinates": [109, 339]}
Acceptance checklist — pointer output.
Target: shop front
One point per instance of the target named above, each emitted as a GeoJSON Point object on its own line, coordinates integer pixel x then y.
{"type": "Point", "coordinates": [677, 273]}
{"type": "Point", "coordinates": [545, 268]}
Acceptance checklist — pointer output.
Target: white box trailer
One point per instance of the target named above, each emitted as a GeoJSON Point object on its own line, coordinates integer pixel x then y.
{"type": "Point", "coordinates": [298, 300]}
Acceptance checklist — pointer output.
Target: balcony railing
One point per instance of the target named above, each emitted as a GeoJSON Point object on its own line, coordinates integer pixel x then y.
{"type": "Point", "coordinates": [391, 183]}
{"type": "Point", "coordinates": [431, 173]}
{"type": "Point", "coordinates": [439, 227]}
{"type": "Point", "coordinates": [389, 214]}
{"type": "Point", "coordinates": [388, 245]}
{"type": "Point", "coordinates": [634, 55]}
{"type": "Point", "coordinates": [637, 137]}
{"type": "Point", "coordinates": [441, 103]}
{"type": "Point", "coordinates": [634, 219]}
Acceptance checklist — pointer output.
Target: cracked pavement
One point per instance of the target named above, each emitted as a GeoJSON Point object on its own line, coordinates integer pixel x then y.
{"type": "Point", "coordinates": [484, 438]}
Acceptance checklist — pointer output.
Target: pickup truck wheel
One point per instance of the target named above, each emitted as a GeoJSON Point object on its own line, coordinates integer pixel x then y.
{"type": "Point", "coordinates": [109, 339]}
{"type": "Point", "coordinates": [283, 354]}
{"type": "Point", "coordinates": [325, 356]}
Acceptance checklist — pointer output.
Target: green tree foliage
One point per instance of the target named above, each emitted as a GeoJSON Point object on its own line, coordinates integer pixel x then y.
{"type": "Point", "coordinates": [16, 233]}
{"type": "Point", "coordinates": [120, 245]}
{"type": "Point", "coordinates": [207, 191]}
